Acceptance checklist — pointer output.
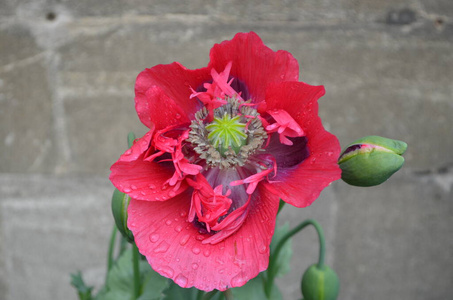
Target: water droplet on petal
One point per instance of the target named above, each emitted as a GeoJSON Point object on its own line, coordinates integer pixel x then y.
{"type": "Point", "coordinates": [128, 152]}
{"type": "Point", "coordinates": [181, 280]}
{"type": "Point", "coordinates": [172, 194]}
{"type": "Point", "coordinates": [262, 249]}
{"type": "Point", "coordinates": [196, 250]}
{"type": "Point", "coordinates": [184, 240]}
{"type": "Point", "coordinates": [152, 186]}
{"type": "Point", "coordinates": [183, 214]}
{"type": "Point", "coordinates": [166, 271]}
{"type": "Point", "coordinates": [238, 280]}
{"type": "Point", "coordinates": [221, 271]}
{"type": "Point", "coordinates": [143, 193]}
{"type": "Point", "coordinates": [127, 190]}
{"type": "Point", "coordinates": [178, 116]}
{"type": "Point", "coordinates": [199, 238]}
{"type": "Point", "coordinates": [194, 266]}
{"type": "Point", "coordinates": [154, 237]}
{"type": "Point", "coordinates": [157, 198]}
{"type": "Point", "coordinates": [220, 261]}
{"type": "Point", "coordinates": [168, 222]}
{"type": "Point", "coordinates": [178, 228]}
{"type": "Point", "coordinates": [134, 187]}
{"type": "Point", "coordinates": [206, 253]}
{"type": "Point", "coordinates": [162, 247]}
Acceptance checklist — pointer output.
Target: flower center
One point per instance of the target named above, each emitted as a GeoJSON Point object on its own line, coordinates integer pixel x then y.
{"type": "Point", "coordinates": [227, 132]}
{"type": "Point", "coordinates": [228, 138]}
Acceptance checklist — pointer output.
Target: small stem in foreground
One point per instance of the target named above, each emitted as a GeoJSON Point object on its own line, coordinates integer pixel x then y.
{"type": "Point", "coordinates": [135, 259]}
{"type": "Point", "coordinates": [209, 295]}
{"type": "Point", "coordinates": [271, 271]}
{"type": "Point", "coordinates": [111, 248]}
{"type": "Point", "coordinates": [280, 206]}
{"type": "Point", "coordinates": [228, 294]}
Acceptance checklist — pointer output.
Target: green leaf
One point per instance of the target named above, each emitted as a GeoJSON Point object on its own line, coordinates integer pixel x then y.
{"type": "Point", "coordinates": [153, 286]}
{"type": "Point", "coordinates": [254, 290]}
{"type": "Point", "coordinates": [283, 262]}
{"type": "Point", "coordinates": [120, 280]}
{"type": "Point", "coordinates": [175, 292]}
{"type": "Point", "coordinates": [83, 290]}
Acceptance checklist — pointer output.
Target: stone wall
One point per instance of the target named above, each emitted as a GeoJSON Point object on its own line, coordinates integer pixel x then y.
{"type": "Point", "coordinates": [67, 71]}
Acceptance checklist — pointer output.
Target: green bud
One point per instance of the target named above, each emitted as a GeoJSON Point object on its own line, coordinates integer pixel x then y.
{"type": "Point", "coordinates": [320, 283]}
{"type": "Point", "coordinates": [371, 160]}
{"type": "Point", "coordinates": [120, 202]}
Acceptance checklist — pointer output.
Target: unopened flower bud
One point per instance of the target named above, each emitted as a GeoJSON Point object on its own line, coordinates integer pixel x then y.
{"type": "Point", "coordinates": [120, 202]}
{"type": "Point", "coordinates": [371, 160]}
{"type": "Point", "coordinates": [320, 283]}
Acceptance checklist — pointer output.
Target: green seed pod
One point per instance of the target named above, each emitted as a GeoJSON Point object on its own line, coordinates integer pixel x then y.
{"type": "Point", "coordinates": [120, 202]}
{"type": "Point", "coordinates": [320, 283]}
{"type": "Point", "coordinates": [371, 160]}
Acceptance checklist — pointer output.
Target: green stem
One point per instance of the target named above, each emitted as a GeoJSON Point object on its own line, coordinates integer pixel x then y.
{"type": "Point", "coordinates": [130, 139]}
{"type": "Point", "coordinates": [271, 271]}
{"type": "Point", "coordinates": [280, 206]}
{"type": "Point", "coordinates": [135, 259]}
{"type": "Point", "coordinates": [111, 249]}
{"type": "Point", "coordinates": [209, 295]}
{"type": "Point", "coordinates": [228, 294]}
{"type": "Point", "coordinates": [123, 245]}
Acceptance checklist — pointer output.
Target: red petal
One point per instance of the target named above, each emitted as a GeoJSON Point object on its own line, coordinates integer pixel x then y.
{"type": "Point", "coordinates": [303, 183]}
{"type": "Point", "coordinates": [141, 179]}
{"type": "Point", "coordinates": [175, 248]}
{"type": "Point", "coordinates": [162, 94]}
{"type": "Point", "coordinates": [254, 63]}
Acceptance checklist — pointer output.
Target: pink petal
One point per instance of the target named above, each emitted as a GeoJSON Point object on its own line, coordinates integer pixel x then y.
{"type": "Point", "coordinates": [174, 247]}
{"type": "Point", "coordinates": [254, 63]}
{"type": "Point", "coordinates": [140, 179]}
{"type": "Point", "coordinates": [162, 94]}
{"type": "Point", "coordinates": [301, 184]}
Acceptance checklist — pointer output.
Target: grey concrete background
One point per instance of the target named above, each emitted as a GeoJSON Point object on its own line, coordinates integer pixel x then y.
{"type": "Point", "coordinates": [67, 72]}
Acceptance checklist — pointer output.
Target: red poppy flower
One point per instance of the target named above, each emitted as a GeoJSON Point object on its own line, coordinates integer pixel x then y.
{"type": "Point", "coordinates": [225, 142]}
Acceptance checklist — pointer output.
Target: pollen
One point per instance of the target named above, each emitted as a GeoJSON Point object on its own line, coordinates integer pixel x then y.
{"type": "Point", "coordinates": [227, 132]}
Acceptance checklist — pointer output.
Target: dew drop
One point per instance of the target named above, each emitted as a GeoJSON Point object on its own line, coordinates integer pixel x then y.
{"type": "Point", "coordinates": [178, 228]}
{"type": "Point", "coordinates": [157, 198]}
{"type": "Point", "coordinates": [143, 193]}
{"type": "Point", "coordinates": [128, 152]}
{"type": "Point", "coordinates": [181, 280]}
{"type": "Point", "coordinates": [152, 186]}
{"type": "Point", "coordinates": [178, 116]}
{"type": "Point", "coordinates": [154, 237]}
{"type": "Point", "coordinates": [183, 214]}
{"type": "Point", "coordinates": [220, 261]}
{"type": "Point", "coordinates": [172, 194]}
{"type": "Point", "coordinates": [127, 190]}
{"type": "Point", "coordinates": [162, 247]}
{"type": "Point", "coordinates": [262, 249]}
{"type": "Point", "coordinates": [199, 238]}
{"type": "Point", "coordinates": [221, 271]}
{"type": "Point", "coordinates": [166, 271]}
{"type": "Point", "coordinates": [168, 222]}
{"type": "Point", "coordinates": [206, 253]}
{"type": "Point", "coordinates": [238, 280]}
{"type": "Point", "coordinates": [194, 266]}
{"type": "Point", "coordinates": [134, 187]}
{"type": "Point", "coordinates": [184, 240]}
{"type": "Point", "coordinates": [196, 250]}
